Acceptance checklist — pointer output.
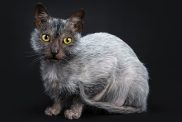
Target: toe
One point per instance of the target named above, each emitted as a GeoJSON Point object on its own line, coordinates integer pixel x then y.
{"type": "Point", "coordinates": [48, 112]}
{"type": "Point", "coordinates": [69, 114]}
{"type": "Point", "coordinates": [51, 111]}
{"type": "Point", "coordinates": [76, 116]}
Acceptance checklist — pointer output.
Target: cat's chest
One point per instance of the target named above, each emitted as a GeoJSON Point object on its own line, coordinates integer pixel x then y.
{"type": "Point", "coordinates": [57, 78]}
{"type": "Point", "coordinates": [49, 73]}
{"type": "Point", "coordinates": [50, 77]}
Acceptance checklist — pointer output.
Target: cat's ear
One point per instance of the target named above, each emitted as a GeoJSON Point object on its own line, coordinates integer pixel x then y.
{"type": "Point", "coordinates": [40, 15]}
{"type": "Point", "coordinates": [76, 21]}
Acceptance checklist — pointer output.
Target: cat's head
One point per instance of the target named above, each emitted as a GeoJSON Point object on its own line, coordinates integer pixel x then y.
{"type": "Point", "coordinates": [55, 38]}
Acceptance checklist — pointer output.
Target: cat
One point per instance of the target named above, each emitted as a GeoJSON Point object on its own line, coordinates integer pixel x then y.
{"type": "Point", "coordinates": [98, 70]}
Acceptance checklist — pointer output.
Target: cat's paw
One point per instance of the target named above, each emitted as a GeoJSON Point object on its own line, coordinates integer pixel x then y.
{"type": "Point", "coordinates": [50, 111]}
{"type": "Point", "coordinates": [70, 114]}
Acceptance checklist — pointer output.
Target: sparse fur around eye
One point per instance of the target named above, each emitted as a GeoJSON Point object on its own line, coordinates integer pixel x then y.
{"type": "Point", "coordinates": [98, 70]}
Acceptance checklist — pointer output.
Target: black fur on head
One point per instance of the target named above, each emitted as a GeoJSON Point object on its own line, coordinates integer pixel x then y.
{"type": "Point", "coordinates": [51, 34]}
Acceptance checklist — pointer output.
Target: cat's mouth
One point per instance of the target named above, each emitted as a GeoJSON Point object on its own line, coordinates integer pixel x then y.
{"type": "Point", "coordinates": [53, 59]}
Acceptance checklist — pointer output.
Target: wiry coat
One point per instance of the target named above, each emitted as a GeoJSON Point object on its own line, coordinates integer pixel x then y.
{"type": "Point", "coordinates": [100, 68]}
{"type": "Point", "coordinates": [102, 61]}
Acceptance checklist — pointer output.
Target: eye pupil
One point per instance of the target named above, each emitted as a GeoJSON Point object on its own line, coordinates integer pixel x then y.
{"type": "Point", "coordinates": [46, 37]}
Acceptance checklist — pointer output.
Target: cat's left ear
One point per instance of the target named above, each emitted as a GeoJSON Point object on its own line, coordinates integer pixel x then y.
{"type": "Point", "coordinates": [76, 21]}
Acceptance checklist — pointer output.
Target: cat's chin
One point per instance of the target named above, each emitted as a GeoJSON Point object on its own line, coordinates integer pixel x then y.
{"type": "Point", "coordinates": [53, 60]}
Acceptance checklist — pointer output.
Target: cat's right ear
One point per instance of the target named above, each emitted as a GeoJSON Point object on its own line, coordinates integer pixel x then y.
{"type": "Point", "coordinates": [40, 15]}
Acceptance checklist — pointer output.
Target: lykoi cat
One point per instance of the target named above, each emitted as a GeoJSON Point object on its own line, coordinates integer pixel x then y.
{"type": "Point", "coordinates": [98, 69]}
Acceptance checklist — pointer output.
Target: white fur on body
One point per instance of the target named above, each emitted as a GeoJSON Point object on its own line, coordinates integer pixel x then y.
{"type": "Point", "coordinates": [100, 56]}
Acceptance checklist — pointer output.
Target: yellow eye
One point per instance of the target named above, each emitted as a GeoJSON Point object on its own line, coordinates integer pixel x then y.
{"type": "Point", "coordinates": [67, 40]}
{"type": "Point", "coordinates": [45, 38]}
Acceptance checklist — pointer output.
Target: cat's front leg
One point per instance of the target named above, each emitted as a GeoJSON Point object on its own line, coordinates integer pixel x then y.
{"type": "Point", "coordinates": [75, 110]}
{"type": "Point", "coordinates": [55, 109]}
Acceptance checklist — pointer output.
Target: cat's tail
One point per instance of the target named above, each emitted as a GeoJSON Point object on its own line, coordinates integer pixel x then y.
{"type": "Point", "coordinates": [106, 106]}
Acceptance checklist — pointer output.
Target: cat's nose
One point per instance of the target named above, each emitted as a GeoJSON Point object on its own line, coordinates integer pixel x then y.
{"type": "Point", "coordinates": [54, 51]}
{"type": "Point", "coordinates": [55, 48]}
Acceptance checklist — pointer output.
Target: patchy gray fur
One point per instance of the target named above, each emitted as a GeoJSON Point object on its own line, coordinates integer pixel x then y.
{"type": "Point", "coordinates": [100, 68]}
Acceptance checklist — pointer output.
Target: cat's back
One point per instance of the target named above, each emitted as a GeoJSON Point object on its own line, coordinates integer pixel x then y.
{"type": "Point", "coordinates": [101, 39]}
{"type": "Point", "coordinates": [104, 44]}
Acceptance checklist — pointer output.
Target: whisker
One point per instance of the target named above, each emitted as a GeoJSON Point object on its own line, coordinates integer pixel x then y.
{"type": "Point", "coordinates": [37, 59]}
{"type": "Point", "coordinates": [65, 60]}
{"type": "Point", "coordinates": [31, 54]}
